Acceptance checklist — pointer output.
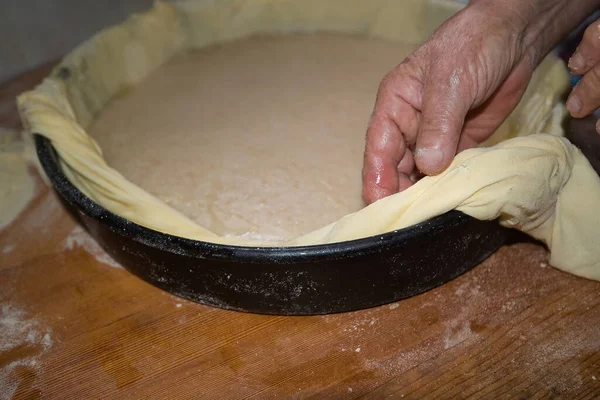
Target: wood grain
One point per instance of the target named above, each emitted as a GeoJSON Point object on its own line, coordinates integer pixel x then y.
{"type": "Point", "coordinates": [513, 327]}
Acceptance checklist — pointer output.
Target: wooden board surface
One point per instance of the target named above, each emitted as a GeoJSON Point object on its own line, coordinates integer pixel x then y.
{"type": "Point", "coordinates": [74, 325]}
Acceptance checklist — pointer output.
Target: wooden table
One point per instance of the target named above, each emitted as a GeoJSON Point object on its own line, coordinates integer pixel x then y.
{"type": "Point", "coordinates": [76, 326]}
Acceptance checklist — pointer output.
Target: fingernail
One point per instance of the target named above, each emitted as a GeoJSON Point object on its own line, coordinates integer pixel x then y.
{"type": "Point", "coordinates": [576, 62]}
{"type": "Point", "coordinates": [573, 104]}
{"type": "Point", "coordinates": [431, 159]}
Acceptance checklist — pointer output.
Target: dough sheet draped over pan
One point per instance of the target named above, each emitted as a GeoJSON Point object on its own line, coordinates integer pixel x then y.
{"type": "Point", "coordinates": [528, 176]}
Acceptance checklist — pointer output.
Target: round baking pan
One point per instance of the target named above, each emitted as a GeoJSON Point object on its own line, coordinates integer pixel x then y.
{"type": "Point", "coordinates": [285, 280]}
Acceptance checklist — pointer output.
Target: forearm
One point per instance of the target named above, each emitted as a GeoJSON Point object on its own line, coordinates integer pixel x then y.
{"type": "Point", "coordinates": [541, 23]}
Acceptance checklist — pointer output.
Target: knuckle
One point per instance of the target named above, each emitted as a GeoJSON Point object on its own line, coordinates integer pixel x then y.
{"type": "Point", "coordinates": [386, 82]}
{"type": "Point", "coordinates": [591, 36]}
{"type": "Point", "coordinates": [404, 69]}
{"type": "Point", "coordinates": [595, 78]}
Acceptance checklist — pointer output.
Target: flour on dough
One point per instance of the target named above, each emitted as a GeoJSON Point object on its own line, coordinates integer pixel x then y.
{"type": "Point", "coordinates": [262, 137]}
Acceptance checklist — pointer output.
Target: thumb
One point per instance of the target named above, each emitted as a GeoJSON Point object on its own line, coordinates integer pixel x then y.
{"type": "Point", "coordinates": [443, 111]}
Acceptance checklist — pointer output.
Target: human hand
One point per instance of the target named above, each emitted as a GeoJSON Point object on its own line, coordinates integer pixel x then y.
{"type": "Point", "coordinates": [449, 95]}
{"type": "Point", "coordinates": [585, 97]}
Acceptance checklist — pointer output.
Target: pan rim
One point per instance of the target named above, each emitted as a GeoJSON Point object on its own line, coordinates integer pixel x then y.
{"type": "Point", "coordinates": [48, 160]}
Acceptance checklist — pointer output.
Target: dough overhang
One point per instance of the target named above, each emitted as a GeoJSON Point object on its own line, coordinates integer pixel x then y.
{"type": "Point", "coordinates": [531, 178]}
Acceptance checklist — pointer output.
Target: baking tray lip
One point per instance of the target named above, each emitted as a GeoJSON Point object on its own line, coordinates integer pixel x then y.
{"type": "Point", "coordinates": [244, 254]}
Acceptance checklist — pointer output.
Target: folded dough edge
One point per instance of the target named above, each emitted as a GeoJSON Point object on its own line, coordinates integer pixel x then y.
{"type": "Point", "coordinates": [538, 183]}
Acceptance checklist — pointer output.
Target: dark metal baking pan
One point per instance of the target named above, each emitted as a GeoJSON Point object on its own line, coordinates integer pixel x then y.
{"type": "Point", "coordinates": [285, 280]}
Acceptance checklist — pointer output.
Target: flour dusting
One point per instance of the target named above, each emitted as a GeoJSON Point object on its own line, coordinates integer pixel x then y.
{"type": "Point", "coordinates": [399, 362]}
{"type": "Point", "coordinates": [22, 341]}
{"type": "Point", "coordinates": [80, 238]}
{"type": "Point", "coordinates": [360, 325]}
{"type": "Point", "coordinates": [457, 332]}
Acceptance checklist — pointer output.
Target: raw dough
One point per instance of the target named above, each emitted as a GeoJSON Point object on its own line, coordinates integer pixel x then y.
{"type": "Point", "coordinates": [539, 183]}
{"type": "Point", "coordinates": [17, 188]}
{"type": "Point", "coordinates": [261, 137]}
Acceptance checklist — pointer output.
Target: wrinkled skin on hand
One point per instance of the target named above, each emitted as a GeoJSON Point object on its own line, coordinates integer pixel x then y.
{"type": "Point", "coordinates": [449, 95]}
{"type": "Point", "coordinates": [585, 97]}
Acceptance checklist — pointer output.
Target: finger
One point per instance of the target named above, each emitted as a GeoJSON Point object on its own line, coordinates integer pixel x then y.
{"type": "Point", "coordinates": [585, 97]}
{"type": "Point", "coordinates": [407, 164]}
{"type": "Point", "coordinates": [587, 54]}
{"type": "Point", "coordinates": [399, 98]}
{"type": "Point", "coordinates": [465, 143]}
{"type": "Point", "coordinates": [483, 121]}
{"type": "Point", "coordinates": [393, 121]}
{"type": "Point", "coordinates": [404, 182]}
{"type": "Point", "coordinates": [384, 149]}
{"type": "Point", "coordinates": [445, 106]}
{"type": "Point", "coordinates": [405, 171]}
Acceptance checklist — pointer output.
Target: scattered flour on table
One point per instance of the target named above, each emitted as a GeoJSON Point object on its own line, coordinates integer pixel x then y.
{"type": "Point", "coordinates": [486, 300]}
{"type": "Point", "coordinates": [360, 325]}
{"type": "Point", "coordinates": [400, 362]}
{"type": "Point", "coordinates": [508, 306]}
{"type": "Point", "coordinates": [457, 331]}
{"type": "Point", "coordinates": [580, 340]}
{"type": "Point", "coordinates": [80, 238]}
{"type": "Point", "coordinates": [19, 331]}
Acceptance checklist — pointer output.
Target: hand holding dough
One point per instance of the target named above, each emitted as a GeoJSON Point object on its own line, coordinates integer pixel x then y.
{"type": "Point", "coordinates": [455, 90]}
{"type": "Point", "coordinates": [539, 184]}
{"type": "Point", "coordinates": [585, 62]}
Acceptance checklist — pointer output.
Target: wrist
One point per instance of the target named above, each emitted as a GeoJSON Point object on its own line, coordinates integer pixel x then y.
{"type": "Point", "coordinates": [539, 25]}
